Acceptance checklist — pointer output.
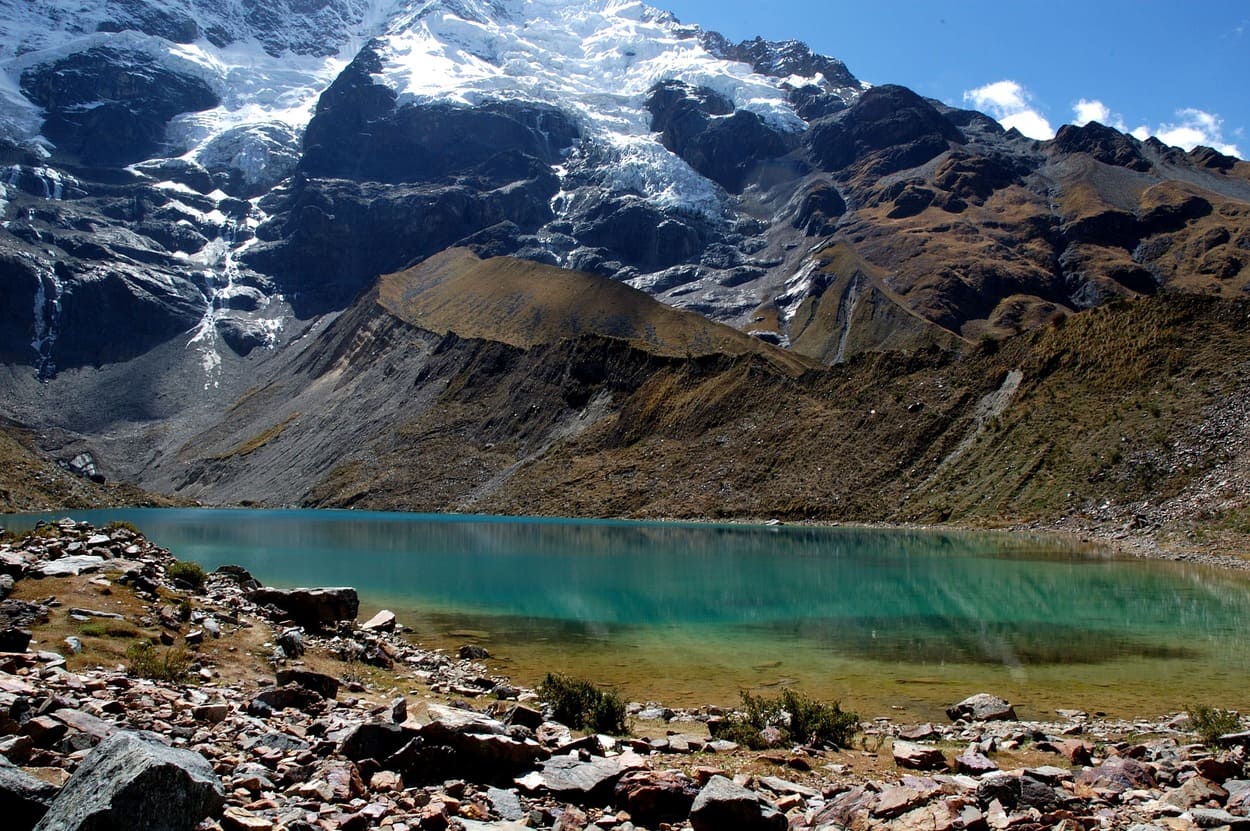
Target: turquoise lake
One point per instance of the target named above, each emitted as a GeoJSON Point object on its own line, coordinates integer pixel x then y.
{"type": "Point", "coordinates": [892, 622]}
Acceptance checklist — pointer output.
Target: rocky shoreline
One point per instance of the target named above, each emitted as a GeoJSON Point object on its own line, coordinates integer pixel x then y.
{"type": "Point", "coordinates": [241, 707]}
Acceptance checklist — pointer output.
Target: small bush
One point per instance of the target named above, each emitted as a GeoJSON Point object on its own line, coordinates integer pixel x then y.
{"type": "Point", "coordinates": [580, 704]}
{"type": "Point", "coordinates": [1210, 723]}
{"type": "Point", "coordinates": [121, 525]}
{"type": "Point", "coordinates": [144, 660]}
{"type": "Point", "coordinates": [189, 574]}
{"type": "Point", "coordinates": [799, 718]}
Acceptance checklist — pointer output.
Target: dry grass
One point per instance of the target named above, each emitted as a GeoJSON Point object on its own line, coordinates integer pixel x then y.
{"type": "Point", "coordinates": [256, 442]}
{"type": "Point", "coordinates": [526, 304]}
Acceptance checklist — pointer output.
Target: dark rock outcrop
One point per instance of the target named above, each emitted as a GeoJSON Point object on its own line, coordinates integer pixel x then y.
{"type": "Point", "coordinates": [109, 106]}
{"type": "Point", "coordinates": [891, 122]}
{"type": "Point", "coordinates": [311, 608]}
{"type": "Point", "coordinates": [780, 59]}
{"type": "Point", "coordinates": [359, 132]}
{"type": "Point", "coordinates": [131, 780]}
{"type": "Point", "coordinates": [330, 238]}
{"type": "Point", "coordinates": [1105, 144]}
{"type": "Point", "coordinates": [700, 125]}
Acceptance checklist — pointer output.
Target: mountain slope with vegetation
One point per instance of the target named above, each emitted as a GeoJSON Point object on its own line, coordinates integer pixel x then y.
{"type": "Point", "coordinates": [1137, 413]}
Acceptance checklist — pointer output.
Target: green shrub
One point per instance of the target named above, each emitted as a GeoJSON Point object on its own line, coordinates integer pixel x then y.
{"type": "Point", "coordinates": [1210, 723]}
{"type": "Point", "coordinates": [580, 704]}
{"type": "Point", "coordinates": [121, 525]}
{"type": "Point", "coordinates": [799, 718]}
{"type": "Point", "coordinates": [144, 660]}
{"type": "Point", "coordinates": [190, 574]}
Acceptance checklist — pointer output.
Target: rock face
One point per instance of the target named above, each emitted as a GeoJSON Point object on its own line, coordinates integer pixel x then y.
{"type": "Point", "coordinates": [722, 804]}
{"type": "Point", "coordinates": [313, 608]}
{"type": "Point", "coordinates": [111, 107]}
{"type": "Point", "coordinates": [130, 781]}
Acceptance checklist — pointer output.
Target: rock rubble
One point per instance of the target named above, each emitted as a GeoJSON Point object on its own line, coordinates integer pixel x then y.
{"type": "Point", "coordinates": [96, 746]}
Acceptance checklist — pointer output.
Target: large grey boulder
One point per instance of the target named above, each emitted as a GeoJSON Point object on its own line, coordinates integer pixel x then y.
{"type": "Point", "coordinates": [131, 781]}
{"type": "Point", "coordinates": [23, 798]}
{"type": "Point", "coordinates": [311, 608]}
{"type": "Point", "coordinates": [982, 707]}
{"type": "Point", "coordinates": [572, 778]}
{"type": "Point", "coordinates": [722, 804]}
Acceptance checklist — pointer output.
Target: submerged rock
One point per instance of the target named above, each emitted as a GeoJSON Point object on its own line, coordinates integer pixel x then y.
{"type": "Point", "coordinates": [982, 707]}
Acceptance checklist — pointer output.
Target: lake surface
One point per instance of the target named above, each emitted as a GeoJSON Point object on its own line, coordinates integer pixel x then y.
{"type": "Point", "coordinates": [892, 622]}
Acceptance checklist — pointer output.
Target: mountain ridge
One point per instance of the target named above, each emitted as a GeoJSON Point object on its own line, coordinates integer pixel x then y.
{"type": "Point", "coordinates": [192, 258]}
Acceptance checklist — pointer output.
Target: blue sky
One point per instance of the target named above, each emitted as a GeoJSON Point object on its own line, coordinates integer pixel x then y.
{"type": "Point", "coordinates": [1177, 71]}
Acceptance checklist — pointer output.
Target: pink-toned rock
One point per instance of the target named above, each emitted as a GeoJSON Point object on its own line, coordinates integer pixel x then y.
{"type": "Point", "coordinates": [917, 756]}
{"type": "Point", "coordinates": [239, 819]}
{"type": "Point", "coordinates": [973, 763]}
{"type": "Point", "coordinates": [895, 801]}
{"type": "Point", "coordinates": [1197, 791]}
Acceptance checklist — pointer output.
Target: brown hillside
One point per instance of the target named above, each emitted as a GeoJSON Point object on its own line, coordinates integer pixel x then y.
{"type": "Point", "coordinates": [525, 304]}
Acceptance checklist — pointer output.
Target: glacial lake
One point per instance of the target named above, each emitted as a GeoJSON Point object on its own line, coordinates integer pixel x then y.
{"type": "Point", "coordinates": [891, 622]}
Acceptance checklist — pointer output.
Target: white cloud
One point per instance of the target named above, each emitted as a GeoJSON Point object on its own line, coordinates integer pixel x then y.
{"type": "Point", "coordinates": [1012, 106]}
{"type": "Point", "coordinates": [1195, 127]}
{"type": "Point", "coordinates": [1087, 110]}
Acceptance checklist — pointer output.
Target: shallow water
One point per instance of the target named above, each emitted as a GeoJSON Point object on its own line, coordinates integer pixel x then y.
{"type": "Point", "coordinates": [892, 622]}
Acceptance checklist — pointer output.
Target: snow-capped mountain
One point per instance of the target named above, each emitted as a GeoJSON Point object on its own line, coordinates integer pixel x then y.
{"type": "Point", "coordinates": [205, 105]}
{"type": "Point", "coordinates": [212, 171]}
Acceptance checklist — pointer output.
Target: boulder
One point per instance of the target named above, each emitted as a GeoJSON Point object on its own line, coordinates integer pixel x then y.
{"type": "Point", "coordinates": [131, 780]}
{"type": "Point", "coordinates": [13, 639]}
{"type": "Point", "coordinates": [973, 763]}
{"type": "Point", "coordinates": [374, 740]}
{"type": "Point", "coordinates": [383, 621]}
{"type": "Point", "coordinates": [982, 707]}
{"type": "Point", "coordinates": [71, 566]}
{"type": "Point", "coordinates": [1077, 752]}
{"type": "Point", "coordinates": [575, 779]}
{"type": "Point", "coordinates": [464, 743]}
{"type": "Point", "coordinates": [23, 798]}
{"type": "Point", "coordinates": [324, 685]}
{"type": "Point", "coordinates": [722, 804]}
{"type": "Point", "coordinates": [1219, 818]}
{"type": "Point", "coordinates": [896, 800]}
{"type": "Point", "coordinates": [1118, 774]}
{"type": "Point", "coordinates": [273, 699]}
{"type": "Point", "coordinates": [311, 608]}
{"type": "Point", "coordinates": [917, 756]}
{"type": "Point", "coordinates": [1197, 791]}
{"type": "Point", "coordinates": [291, 642]}
{"type": "Point", "coordinates": [653, 797]}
